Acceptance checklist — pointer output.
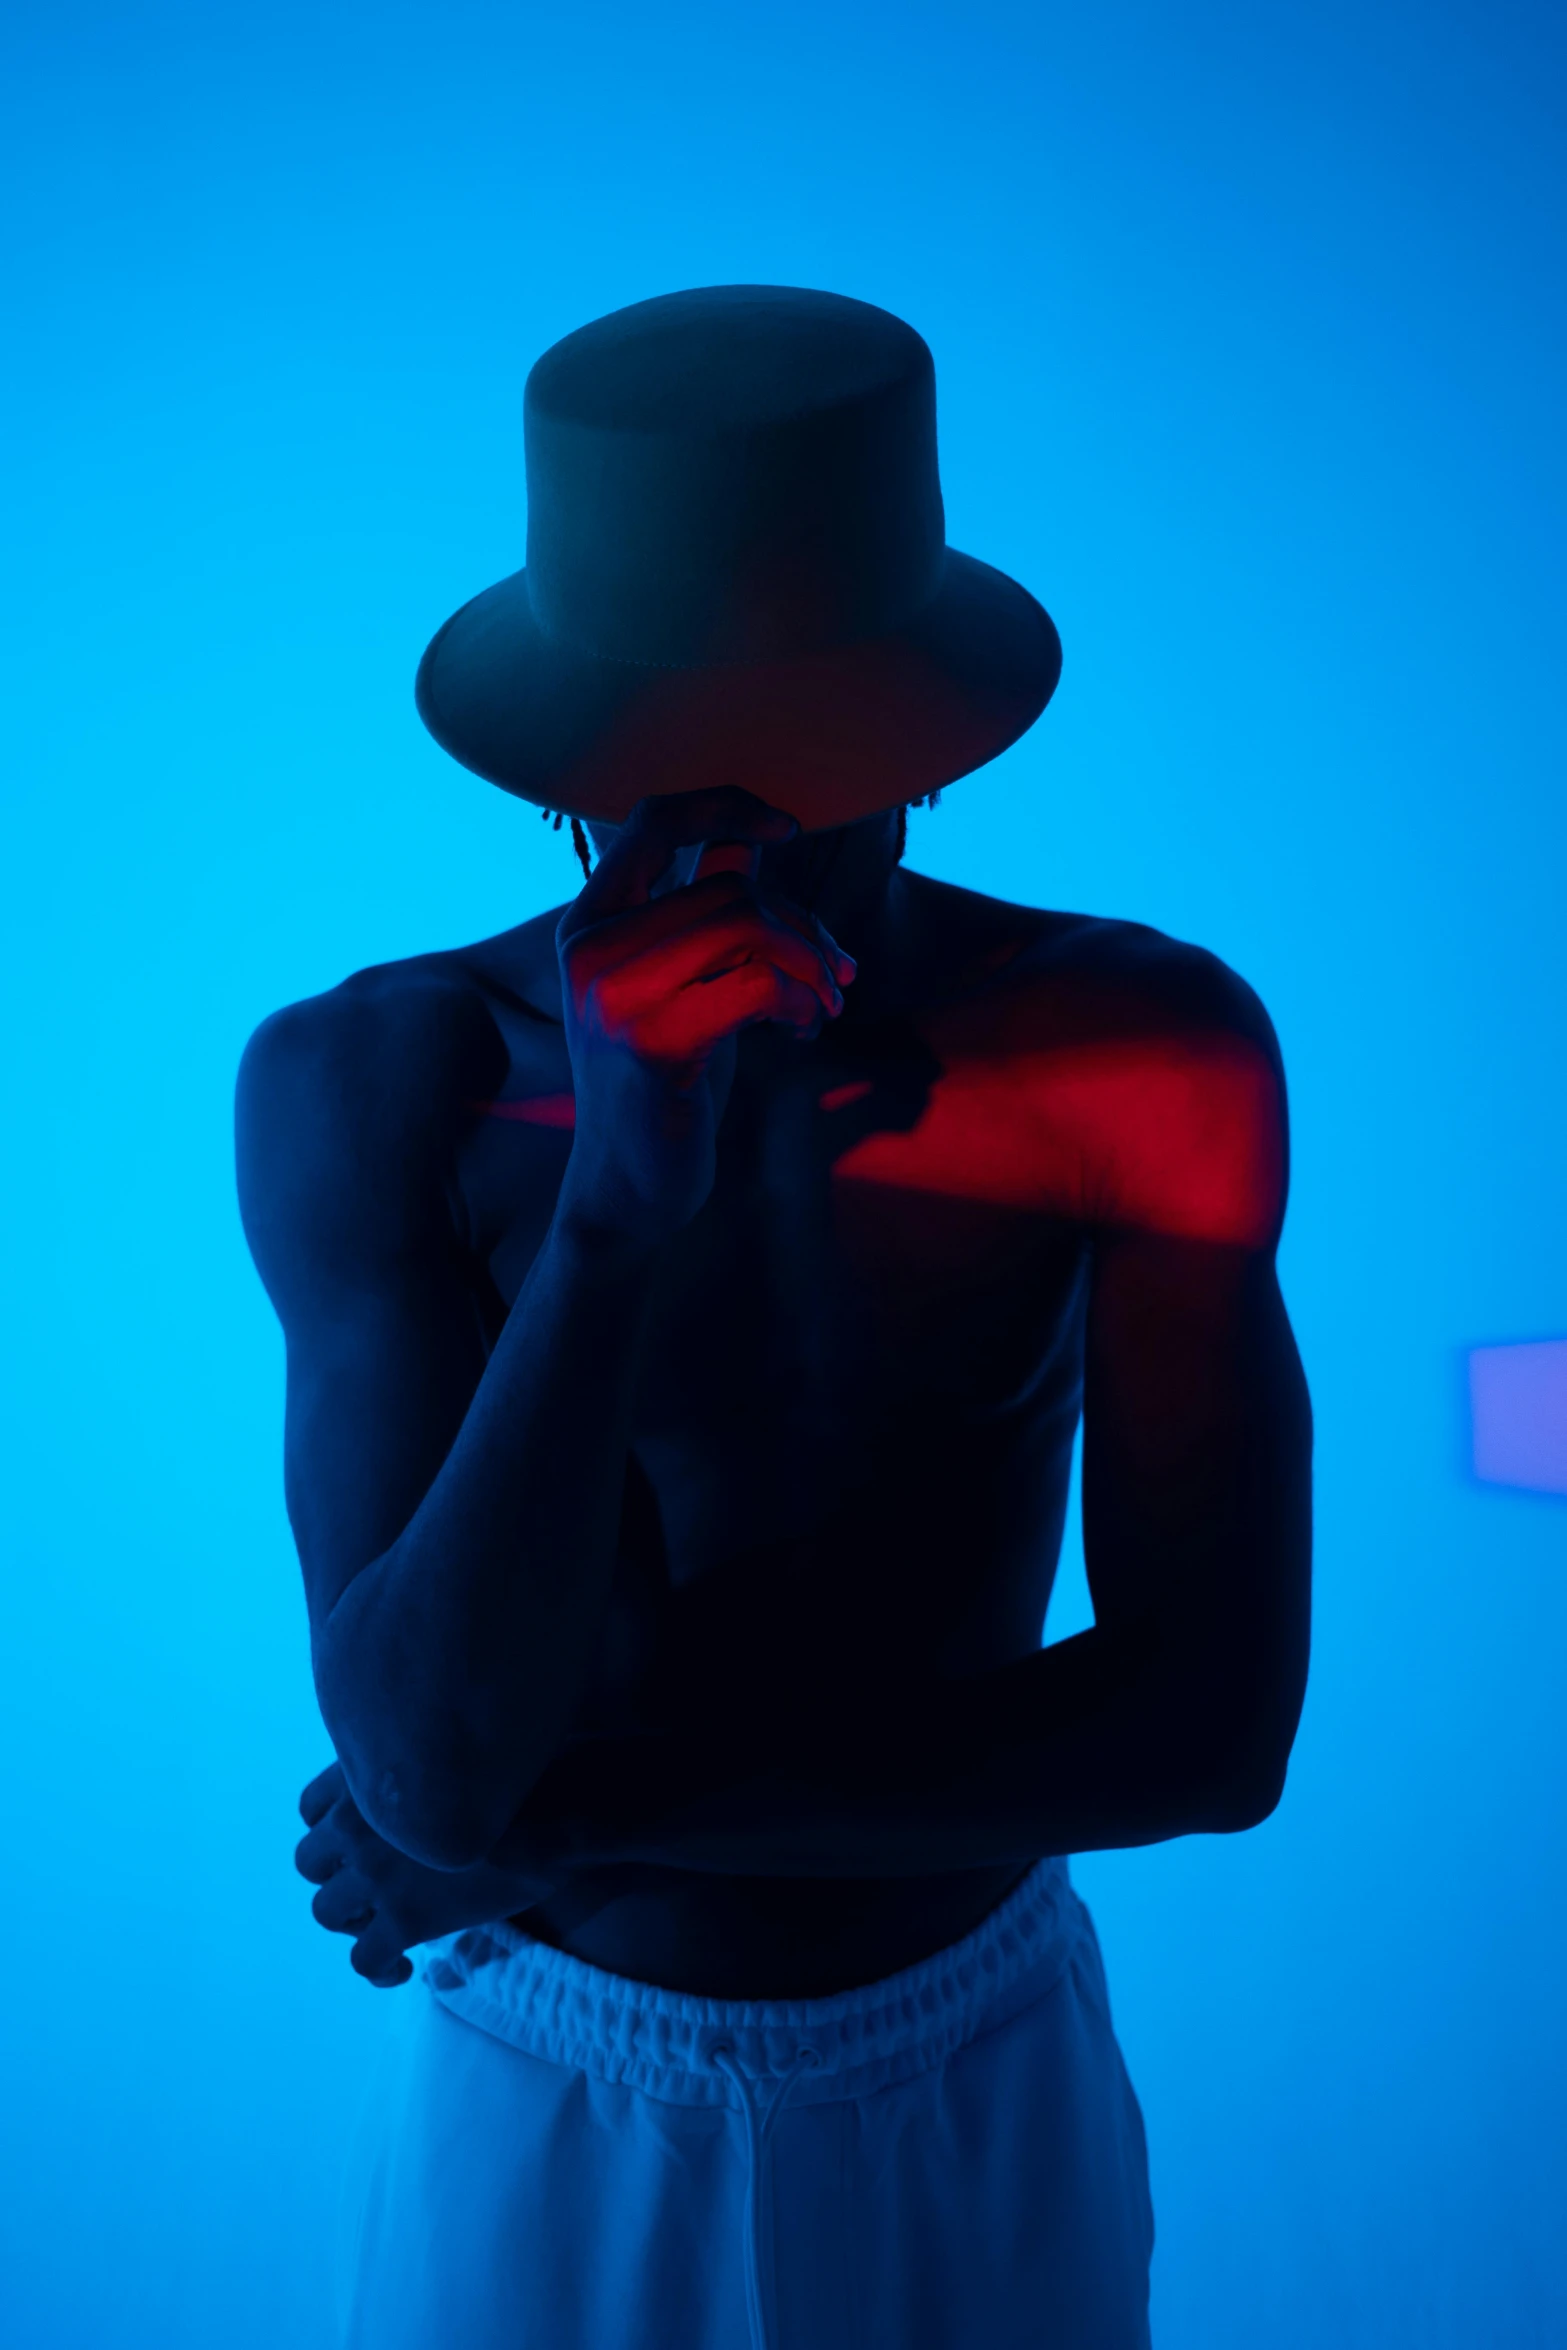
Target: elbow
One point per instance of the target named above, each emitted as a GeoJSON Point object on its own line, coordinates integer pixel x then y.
{"type": "Point", "coordinates": [421, 1813]}
{"type": "Point", "coordinates": [1243, 1802]}
{"type": "Point", "coordinates": [432, 1795]}
{"type": "Point", "coordinates": [1246, 1789]}
{"type": "Point", "coordinates": [1241, 1757]}
{"type": "Point", "coordinates": [421, 1784]}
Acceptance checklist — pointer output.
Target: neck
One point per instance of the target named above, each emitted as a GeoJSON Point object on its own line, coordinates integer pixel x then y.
{"type": "Point", "coordinates": [843, 876]}
{"type": "Point", "coordinates": [850, 879]}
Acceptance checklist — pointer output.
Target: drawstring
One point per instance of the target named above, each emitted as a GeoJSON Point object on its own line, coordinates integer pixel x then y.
{"type": "Point", "coordinates": [761, 2112]}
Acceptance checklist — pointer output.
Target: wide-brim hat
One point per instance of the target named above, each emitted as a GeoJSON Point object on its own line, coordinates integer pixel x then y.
{"type": "Point", "coordinates": [737, 572]}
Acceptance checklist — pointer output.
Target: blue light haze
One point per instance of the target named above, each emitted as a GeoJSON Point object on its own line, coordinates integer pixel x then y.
{"type": "Point", "coordinates": [1250, 339]}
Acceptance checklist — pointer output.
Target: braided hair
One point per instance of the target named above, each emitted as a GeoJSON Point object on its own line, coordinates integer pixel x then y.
{"type": "Point", "coordinates": [579, 839]}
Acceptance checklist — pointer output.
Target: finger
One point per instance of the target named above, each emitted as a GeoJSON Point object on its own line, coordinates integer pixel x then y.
{"type": "Point", "coordinates": [687, 1028]}
{"type": "Point", "coordinates": [640, 852]}
{"type": "Point", "coordinates": [378, 1958]}
{"type": "Point", "coordinates": [344, 1905]}
{"type": "Point", "coordinates": [842, 966]}
{"type": "Point", "coordinates": [327, 1788]}
{"type": "Point", "coordinates": [616, 941]}
{"type": "Point", "coordinates": [319, 1855]}
{"type": "Point", "coordinates": [606, 943]}
{"type": "Point", "coordinates": [613, 976]}
{"type": "Point", "coordinates": [737, 936]}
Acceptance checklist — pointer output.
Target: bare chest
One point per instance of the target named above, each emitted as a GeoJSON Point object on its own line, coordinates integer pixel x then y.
{"type": "Point", "coordinates": [818, 1335]}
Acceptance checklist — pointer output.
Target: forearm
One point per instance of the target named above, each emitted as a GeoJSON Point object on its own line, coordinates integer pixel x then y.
{"type": "Point", "coordinates": [1102, 1741]}
{"type": "Point", "coordinates": [450, 1667]}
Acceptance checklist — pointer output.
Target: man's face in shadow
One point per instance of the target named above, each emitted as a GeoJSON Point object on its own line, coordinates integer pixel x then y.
{"type": "Point", "coordinates": [834, 874]}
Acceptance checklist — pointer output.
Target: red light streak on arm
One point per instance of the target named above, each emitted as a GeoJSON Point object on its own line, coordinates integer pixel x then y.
{"type": "Point", "coordinates": [541, 1109]}
{"type": "Point", "coordinates": [1178, 1135]}
{"type": "Point", "coordinates": [840, 1097]}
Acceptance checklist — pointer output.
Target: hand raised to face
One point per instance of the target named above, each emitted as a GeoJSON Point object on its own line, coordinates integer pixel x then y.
{"type": "Point", "coordinates": [656, 989]}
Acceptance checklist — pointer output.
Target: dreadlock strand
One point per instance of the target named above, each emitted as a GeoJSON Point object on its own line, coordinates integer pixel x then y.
{"type": "Point", "coordinates": [579, 841]}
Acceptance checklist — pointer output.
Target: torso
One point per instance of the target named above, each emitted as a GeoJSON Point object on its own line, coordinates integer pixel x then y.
{"type": "Point", "coordinates": [863, 1377]}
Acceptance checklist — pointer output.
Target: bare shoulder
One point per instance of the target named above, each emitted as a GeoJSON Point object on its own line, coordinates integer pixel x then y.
{"type": "Point", "coordinates": [1061, 967]}
{"type": "Point", "coordinates": [346, 1105]}
{"type": "Point", "coordinates": [1141, 1068]}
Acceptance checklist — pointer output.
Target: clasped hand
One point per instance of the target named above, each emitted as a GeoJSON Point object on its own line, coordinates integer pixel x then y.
{"type": "Point", "coordinates": [386, 1901]}
{"type": "Point", "coordinates": [655, 990]}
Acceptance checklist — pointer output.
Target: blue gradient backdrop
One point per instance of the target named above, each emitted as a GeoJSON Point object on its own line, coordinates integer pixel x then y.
{"type": "Point", "coordinates": [1249, 334]}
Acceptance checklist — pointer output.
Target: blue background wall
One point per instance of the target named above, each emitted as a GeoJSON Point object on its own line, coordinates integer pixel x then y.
{"type": "Point", "coordinates": [1249, 334]}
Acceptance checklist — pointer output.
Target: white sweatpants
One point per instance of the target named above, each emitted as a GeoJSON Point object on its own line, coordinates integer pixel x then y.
{"type": "Point", "coordinates": [951, 2159]}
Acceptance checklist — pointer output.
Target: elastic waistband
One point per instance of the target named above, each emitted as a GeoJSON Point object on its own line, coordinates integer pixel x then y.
{"type": "Point", "coordinates": [685, 2050]}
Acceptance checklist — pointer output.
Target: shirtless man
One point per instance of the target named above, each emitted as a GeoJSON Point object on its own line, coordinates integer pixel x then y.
{"type": "Point", "coordinates": [690, 1300]}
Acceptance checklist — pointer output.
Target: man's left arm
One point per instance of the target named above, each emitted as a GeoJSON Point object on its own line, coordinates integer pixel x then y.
{"type": "Point", "coordinates": [1175, 1714]}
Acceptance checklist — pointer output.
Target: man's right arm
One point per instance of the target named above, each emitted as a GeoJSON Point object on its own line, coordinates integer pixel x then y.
{"type": "Point", "coordinates": [456, 1517]}
{"type": "Point", "coordinates": [457, 1513]}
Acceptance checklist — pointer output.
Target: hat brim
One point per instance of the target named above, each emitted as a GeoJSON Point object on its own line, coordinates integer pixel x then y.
{"type": "Point", "coordinates": [830, 736]}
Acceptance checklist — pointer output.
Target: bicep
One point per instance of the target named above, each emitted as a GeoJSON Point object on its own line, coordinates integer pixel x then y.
{"type": "Point", "coordinates": [348, 1221]}
{"type": "Point", "coordinates": [1196, 1424]}
{"type": "Point", "coordinates": [1196, 1476]}
{"type": "Point", "coordinates": [378, 1387]}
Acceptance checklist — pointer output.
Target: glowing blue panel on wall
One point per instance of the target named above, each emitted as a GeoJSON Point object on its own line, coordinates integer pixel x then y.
{"type": "Point", "coordinates": [1518, 1411]}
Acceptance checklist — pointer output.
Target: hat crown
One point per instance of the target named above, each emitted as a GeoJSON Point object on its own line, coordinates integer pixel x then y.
{"type": "Point", "coordinates": [732, 474]}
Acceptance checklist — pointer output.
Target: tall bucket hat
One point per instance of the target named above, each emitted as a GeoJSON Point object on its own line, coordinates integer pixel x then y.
{"type": "Point", "coordinates": [737, 572]}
